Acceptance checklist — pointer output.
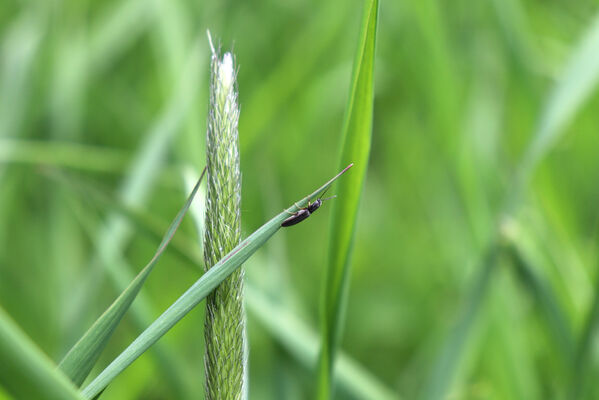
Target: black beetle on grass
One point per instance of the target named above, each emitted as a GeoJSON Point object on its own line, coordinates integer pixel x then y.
{"type": "Point", "coordinates": [305, 212]}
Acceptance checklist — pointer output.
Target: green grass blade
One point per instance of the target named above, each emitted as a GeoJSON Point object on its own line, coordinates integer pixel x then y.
{"type": "Point", "coordinates": [356, 148]}
{"type": "Point", "coordinates": [25, 371]}
{"type": "Point", "coordinates": [196, 293]}
{"type": "Point", "coordinates": [168, 362]}
{"type": "Point", "coordinates": [542, 292]}
{"type": "Point", "coordinates": [81, 358]}
{"type": "Point", "coordinates": [577, 82]}
{"type": "Point", "coordinates": [148, 224]}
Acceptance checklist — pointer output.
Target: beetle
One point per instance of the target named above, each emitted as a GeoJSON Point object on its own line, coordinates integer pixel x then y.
{"type": "Point", "coordinates": [305, 212]}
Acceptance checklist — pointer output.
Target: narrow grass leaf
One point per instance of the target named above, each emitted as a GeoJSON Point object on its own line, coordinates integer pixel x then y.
{"type": "Point", "coordinates": [144, 223]}
{"type": "Point", "coordinates": [168, 363]}
{"type": "Point", "coordinates": [543, 294]}
{"type": "Point", "coordinates": [81, 358]}
{"type": "Point", "coordinates": [196, 293]}
{"type": "Point", "coordinates": [576, 83]}
{"type": "Point", "coordinates": [356, 148]}
{"type": "Point", "coordinates": [25, 371]}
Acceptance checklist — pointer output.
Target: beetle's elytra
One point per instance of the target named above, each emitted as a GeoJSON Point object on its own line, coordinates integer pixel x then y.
{"type": "Point", "coordinates": [305, 212]}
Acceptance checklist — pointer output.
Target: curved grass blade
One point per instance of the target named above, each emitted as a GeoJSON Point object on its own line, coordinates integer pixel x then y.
{"type": "Point", "coordinates": [81, 358]}
{"type": "Point", "coordinates": [577, 82]}
{"type": "Point", "coordinates": [544, 295]}
{"type": "Point", "coordinates": [196, 293]}
{"type": "Point", "coordinates": [25, 371]}
{"type": "Point", "coordinates": [167, 362]}
{"type": "Point", "coordinates": [183, 247]}
{"type": "Point", "coordinates": [356, 147]}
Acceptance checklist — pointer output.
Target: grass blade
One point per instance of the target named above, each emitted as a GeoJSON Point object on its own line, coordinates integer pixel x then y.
{"type": "Point", "coordinates": [196, 293]}
{"type": "Point", "coordinates": [167, 361]}
{"type": "Point", "coordinates": [541, 291]}
{"type": "Point", "coordinates": [144, 222]}
{"type": "Point", "coordinates": [356, 147]}
{"type": "Point", "coordinates": [81, 358]}
{"type": "Point", "coordinates": [25, 371]}
{"type": "Point", "coordinates": [577, 82]}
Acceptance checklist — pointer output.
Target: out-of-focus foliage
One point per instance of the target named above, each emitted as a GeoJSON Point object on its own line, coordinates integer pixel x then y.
{"type": "Point", "coordinates": [115, 93]}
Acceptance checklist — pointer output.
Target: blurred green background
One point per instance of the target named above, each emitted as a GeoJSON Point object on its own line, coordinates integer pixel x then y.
{"type": "Point", "coordinates": [112, 95]}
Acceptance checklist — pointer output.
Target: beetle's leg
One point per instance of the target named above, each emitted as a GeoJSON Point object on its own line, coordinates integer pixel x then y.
{"type": "Point", "coordinates": [290, 213]}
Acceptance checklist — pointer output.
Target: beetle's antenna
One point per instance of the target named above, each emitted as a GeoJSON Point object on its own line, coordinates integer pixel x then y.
{"type": "Point", "coordinates": [328, 198]}
{"type": "Point", "coordinates": [322, 194]}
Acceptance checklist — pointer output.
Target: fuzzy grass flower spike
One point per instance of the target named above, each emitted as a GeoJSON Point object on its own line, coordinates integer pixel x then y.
{"type": "Point", "coordinates": [225, 359]}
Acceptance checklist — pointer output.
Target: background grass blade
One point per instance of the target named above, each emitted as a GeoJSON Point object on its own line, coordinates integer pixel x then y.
{"type": "Point", "coordinates": [144, 222]}
{"type": "Point", "coordinates": [196, 293]}
{"type": "Point", "coordinates": [25, 371]}
{"type": "Point", "coordinates": [356, 148]}
{"type": "Point", "coordinates": [542, 293]}
{"type": "Point", "coordinates": [575, 85]}
{"type": "Point", "coordinates": [81, 358]}
{"type": "Point", "coordinates": [163, 356]}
